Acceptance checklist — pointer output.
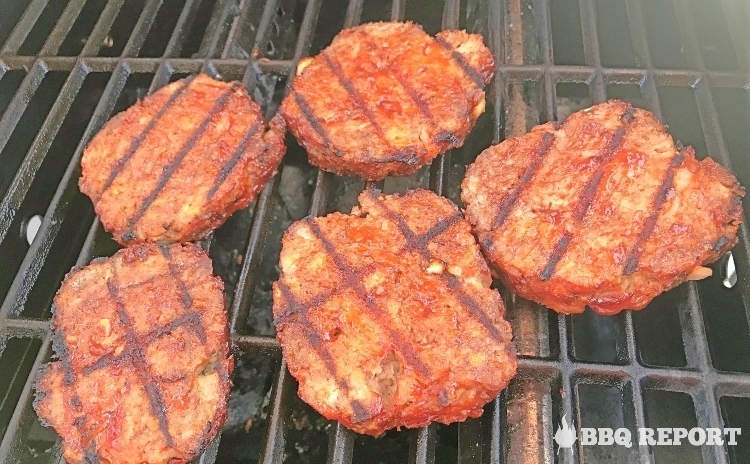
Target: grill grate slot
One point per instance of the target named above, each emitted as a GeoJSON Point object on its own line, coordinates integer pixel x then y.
{"type": "Point", "coordinates": [671, 409]}
{"type": "Point", "coordinates": [113, 44]}
{"type": "Point", "coordinates": [736, 413]}
{"type": "Point", "coordinates": [614, 35]}
{"type": "Point", "coordinates": [680, 113]}
{"type": "Point", "coordinates": [664, 35]}
{"type": "Point", "coordinates": [16, 362]}
{"type": "Point", "coordinates": [80, 30]}
{"type": "Point", "coordinates": [602, 406]}
{"type": "Point", "coordinates": [163, 26]}
{"type": "Point", "coordinates": [566, 29]}
{"type": "Point", "coordinates": [45, 24]}
{"type": "Point", "coordinates": [10, 81]}
{"type": "Point", "coordinates": [28, 125]}
{"type": "Point", "coordinates": [686, 351]}
{"type": "Point", "coordinates": [733, 109]}
{"type": "Point", "coordinates": [196, 29]}
{"type": "Point", "coordinates": [659, 330]}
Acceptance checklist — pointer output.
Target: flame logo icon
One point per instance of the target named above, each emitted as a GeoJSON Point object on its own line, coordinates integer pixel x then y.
{"type": "Point", "coordinates": [565, 436]}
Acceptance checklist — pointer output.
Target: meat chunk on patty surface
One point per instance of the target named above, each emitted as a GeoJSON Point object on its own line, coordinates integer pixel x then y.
{"type": "Point", "coordinates": [602, 210]}
{"type": "Point", "coordinates": [176, 165]}
{"type": "Point", "coordinates": [386, 98]}
{"type": "Point", "coordinates": [386, 316]}
{"type": "Point", "coordinates": [143, 368]}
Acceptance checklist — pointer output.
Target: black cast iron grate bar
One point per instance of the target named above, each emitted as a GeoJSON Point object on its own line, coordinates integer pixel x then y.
{"type": "Point", "coordinates": [23, 27]}
{"type": "Point", "coordinates": [142, 28]}
{"type": "Point", "coordinates": [174, 46]}
{"type": "Point", "coordinates": [102, 27]}
{"type": "Point", "coordinates": [638, 32]}
{"type": "Point", "coordinates": [39, 149]}
{"type": "Point", "coordinates": [548, 112]}
{"type": "Point", "coordinates": [593, 56]}
{"type": "Point", "coordinates": [222, 12]}
{"type": "Point", "coordinates": [638, 404]}
{"type": "Point", "coordinates": [23, 411]}
{"type": "Point", "coordinates": [341, 444]}
{"type": "Point", "coordinates": [236, 25]}
{"type": "Point", "coordinates": [707, 403]}
{"type": "Point", "coordinates": [58, 208]}
{"type": "Point", "coordinates": [35, 255]}
{"type": "Point", "coordinates": [32, 328]}
{"type": "Point", "coordinates": [591, 52]}
{"type": "Point", "coordinates": [63, 26]}
{"type": "Point", "coordinates": [549, 109]}
{"type": "Point", "coordinates": [19, 103]}
{"type": "Point", "coordinates": [715, 145]}
{"type": "Point", "coordinates": [512, 72]}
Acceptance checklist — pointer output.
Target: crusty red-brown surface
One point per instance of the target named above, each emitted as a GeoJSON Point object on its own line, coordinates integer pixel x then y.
{"type": "Point", "coordinates": [143, 192]}
{"type": "Point", "coordinates": [143, 369]}
{"type": "Point", "coordinates": [386, 317]}
{"type": "Point", "coordinates": [602, 210]}
{"type": "Point", "coordinates": [386, 98]}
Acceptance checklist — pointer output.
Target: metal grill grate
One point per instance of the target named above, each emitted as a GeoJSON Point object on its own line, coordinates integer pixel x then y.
{"type": "Point", "coordinates": [67, 66]}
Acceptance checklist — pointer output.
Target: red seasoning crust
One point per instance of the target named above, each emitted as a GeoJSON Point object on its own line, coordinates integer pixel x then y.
{"type": "Point", "coordinates": [386, 316]}
{"type": "Point", "coordinates": [602, 210]}
{"type": "Point", "coordinates": [176, 165]}
{"type": "Point", "coordinates": [386, 98]}
{"type": "Point", "coordinates": [143, 369]}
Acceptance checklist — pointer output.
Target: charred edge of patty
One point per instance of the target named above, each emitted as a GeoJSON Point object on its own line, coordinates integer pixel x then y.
{"type": "Point", "coordinates": [42, 392]}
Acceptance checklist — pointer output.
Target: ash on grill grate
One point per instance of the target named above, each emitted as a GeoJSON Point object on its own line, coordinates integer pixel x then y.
{"type": "Point", "coordinates": [67, 66]}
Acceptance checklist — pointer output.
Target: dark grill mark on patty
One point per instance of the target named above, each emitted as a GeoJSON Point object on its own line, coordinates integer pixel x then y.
{"type": "Point", "coordinates": [403, 156]}
{"type": "Point", "coordinates": [506, 205]}
{"type": "Point", "coordinates": [448, 136]}
{"type": "Point", "coordinates": [557, 253]}
{"type": "Point", "coordinates": [583, 204]}
{"type": "Point", "coordinates": [348, 274]}
{"type": "Point", "coordinates": [315, 122]}
{"type": "Point", "coordinates": [191, 319]}
{"type": "Point", "coordinates": [461, 61]}
{"type": "Point", "coordinates": [419, 244]}
{"type": "Point", "coordinates": [177, 160]}
{"type": "Point", "coordinates": [227, 167]}
{"type": "Point", "coordinates": [423, 105]}
{"type": "Point", "coordinates": [648, 227]}
{"type": "Point", "coordinates": [140, 363]}
{"type": "Point", "coordinates": [120, 164]}
{"type": "Point", "coordinates": [311, 333]}
{"type": "Point", "coordinates": [313, 337]}
{"type": "Point", "coordinates": [354, 94]}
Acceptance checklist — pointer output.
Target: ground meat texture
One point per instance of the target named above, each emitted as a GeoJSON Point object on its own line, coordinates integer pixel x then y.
{"type": "Point", "coordinates": [176, 165]}
{"type": "Point", "coordinates": [386, 98]}
{"type": "Point", "coordinates": [386, 316]}
{"type": "Point", "coordinates": [143, 368]}
{"type": "Point", "coordinates": [602, 210]}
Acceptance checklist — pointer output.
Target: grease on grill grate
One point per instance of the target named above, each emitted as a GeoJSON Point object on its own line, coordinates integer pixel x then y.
{"type": "Point", "coordinates": [682, 361]}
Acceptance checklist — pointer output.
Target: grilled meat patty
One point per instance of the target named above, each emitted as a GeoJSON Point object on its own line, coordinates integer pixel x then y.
{"type": "Point", "coordinates": [601, 210]}
{"type": "Point", "coordinates": [386, 317]}
{"type": "Point", "coordinates": [386, 98]}
{"type": "Point", "coordinates": [143, 368]}
{"type": "Point", "coordinates": [174, 166]}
